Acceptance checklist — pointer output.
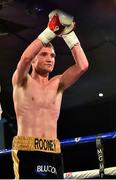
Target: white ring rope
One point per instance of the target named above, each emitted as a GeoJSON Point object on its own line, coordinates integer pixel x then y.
{"type": "Point", "coordinates": [111, 171]}
{"type": "Point", "coordinates": [89, 173]}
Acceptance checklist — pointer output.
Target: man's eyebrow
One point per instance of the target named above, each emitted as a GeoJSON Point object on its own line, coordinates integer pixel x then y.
{"type": "Point", "coordinates": [43, 52]}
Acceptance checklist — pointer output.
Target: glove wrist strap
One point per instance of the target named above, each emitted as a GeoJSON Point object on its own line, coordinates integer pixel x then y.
{"type": "Point", "coordinates": [71, 39]}
{"type": "Point", "coordinates": [46, 36]}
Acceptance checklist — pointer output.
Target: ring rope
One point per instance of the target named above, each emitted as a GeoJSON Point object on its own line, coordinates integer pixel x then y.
{"type": "Point", "coordinates": [89, 173]}
{"type": "Point", "coordinates": [78, 140]}
{"type": "Point", "coordinates": [87, 139]}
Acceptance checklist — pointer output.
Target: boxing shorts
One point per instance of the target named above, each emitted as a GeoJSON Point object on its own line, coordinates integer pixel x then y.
{"type": "Point", "coordinates": [37, 158]}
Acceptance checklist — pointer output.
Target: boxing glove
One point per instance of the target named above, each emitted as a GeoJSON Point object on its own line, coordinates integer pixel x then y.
{"type": "Point", "coordinates": [68, 25]}
{"type": "Point", "coordinates": [59, 24]}
{"type": "Point", "coordinates": [65, 21]}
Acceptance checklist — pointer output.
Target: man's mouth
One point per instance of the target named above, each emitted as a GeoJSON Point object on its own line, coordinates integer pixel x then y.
{"type": "Point", "coordinates": [50, 65]}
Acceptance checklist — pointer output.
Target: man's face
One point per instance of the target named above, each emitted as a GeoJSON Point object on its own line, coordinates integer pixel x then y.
{"type": "Point", "coordinates": [44, 61]}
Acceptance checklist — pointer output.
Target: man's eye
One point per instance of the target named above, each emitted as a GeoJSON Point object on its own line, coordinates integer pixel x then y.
{"type": "Point", "coordinates": [52, 55]}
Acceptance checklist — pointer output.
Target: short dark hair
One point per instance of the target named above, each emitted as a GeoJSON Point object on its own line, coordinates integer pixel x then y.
{"type": "Point", "coordinates": [50, 45]}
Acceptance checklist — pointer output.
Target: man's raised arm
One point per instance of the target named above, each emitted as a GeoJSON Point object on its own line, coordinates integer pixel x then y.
{"type": "Point", "coordinates": [73, 73]}
{"type": "Point", "coordinates": [54, 27]}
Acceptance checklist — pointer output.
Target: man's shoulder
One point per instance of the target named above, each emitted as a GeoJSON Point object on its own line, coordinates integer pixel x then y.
{"type": "Point", "coordinates": [57, 77]}
{"type": "Point", "coordinates": [56, 81]}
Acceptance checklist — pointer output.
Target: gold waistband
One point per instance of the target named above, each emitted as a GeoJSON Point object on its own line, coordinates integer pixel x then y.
{"type": "Point", "coordinates": [36, 144]}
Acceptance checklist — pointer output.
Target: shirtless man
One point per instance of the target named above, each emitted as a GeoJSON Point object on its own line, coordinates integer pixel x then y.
{"type": "Point", "coordinates": [37, 100]}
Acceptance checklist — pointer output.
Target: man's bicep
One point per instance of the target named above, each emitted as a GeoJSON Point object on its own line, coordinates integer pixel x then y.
{"type": "Point", "coordinates": [15, 78]}
{"type": "Point", "coordinates": [69, 77]}
{"type": "Point", "coordinates": [21, 72]}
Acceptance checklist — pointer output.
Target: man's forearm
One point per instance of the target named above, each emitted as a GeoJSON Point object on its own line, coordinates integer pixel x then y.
{"type": "Point", "coordinates": [80, 57]}
{"type": "Point", "coordinates": [32, 50]}
{"type": "Point", "coordinates": [74, 45]}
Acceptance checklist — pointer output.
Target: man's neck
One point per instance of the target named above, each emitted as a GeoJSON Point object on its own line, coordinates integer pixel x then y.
{"type": "Point", "coordinates": [41, 78]}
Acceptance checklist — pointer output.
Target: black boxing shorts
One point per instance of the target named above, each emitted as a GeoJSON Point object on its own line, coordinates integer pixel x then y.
{"type": "Point", "coordinates": [37, 158]}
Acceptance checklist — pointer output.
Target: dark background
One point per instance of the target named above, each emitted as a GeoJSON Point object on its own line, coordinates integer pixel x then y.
{"type": "Point", "coordinates": [83, 111]}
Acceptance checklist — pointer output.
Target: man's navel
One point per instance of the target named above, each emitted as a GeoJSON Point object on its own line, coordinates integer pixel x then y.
{"type": "Point", "coordinates": [32, 98]}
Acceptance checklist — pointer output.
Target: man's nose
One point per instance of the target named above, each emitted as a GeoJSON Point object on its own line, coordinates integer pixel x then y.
{"type": "Point", "coordinates": [49, 58]}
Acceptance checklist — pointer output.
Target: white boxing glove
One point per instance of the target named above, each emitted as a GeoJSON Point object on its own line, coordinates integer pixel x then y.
{"type": "Point", "coordinates": [66, 21]}
{"type": "Point", "coordinates": [54, 26]}
{"type": "Point", "coordinates": [64, 18]}
{"type": "Point", "coordinates": [59, 24]}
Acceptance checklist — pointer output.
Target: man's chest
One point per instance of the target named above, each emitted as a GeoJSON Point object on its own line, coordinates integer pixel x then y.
{"type": "Point", "coordinates": [42, 95]}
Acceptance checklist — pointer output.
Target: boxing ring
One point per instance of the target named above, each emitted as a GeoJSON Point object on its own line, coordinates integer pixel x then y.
{"type": "Point", "coordinates": [102, 171]}
{"type": "Point", "coordinates": [98, 139]}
